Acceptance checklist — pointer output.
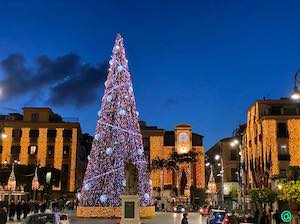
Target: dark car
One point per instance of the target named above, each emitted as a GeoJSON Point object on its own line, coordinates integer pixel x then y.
{"type": "Point", "coordinates": [46, 218]}
{"type": "Point", "coordinates": [216, 216]}
{"type": "Point", "coordinates": [180, 208]}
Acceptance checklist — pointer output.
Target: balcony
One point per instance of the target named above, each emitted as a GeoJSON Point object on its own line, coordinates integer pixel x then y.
{"type": "Point", "coordinates": [284, 157]}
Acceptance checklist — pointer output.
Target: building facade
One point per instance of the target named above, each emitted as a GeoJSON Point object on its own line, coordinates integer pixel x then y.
{"type": "Point", "coordinates": [272, 141]}
{"type": "Point", "coordinates": [231, 163]}
{"type": "Point", "coordinates": [162, 144]}
{"type": "Point", "coordinates": [41, 137]}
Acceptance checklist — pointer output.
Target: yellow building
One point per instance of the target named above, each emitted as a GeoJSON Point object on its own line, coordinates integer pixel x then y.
{"type": "Point", "coordinates": [38, 136]}
{"type": "Point", "coordinates": [159, 143]}
{"type": "Point", "coordinates": [272, 140]}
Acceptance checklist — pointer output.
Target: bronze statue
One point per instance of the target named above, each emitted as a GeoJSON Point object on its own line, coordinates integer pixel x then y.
{"type": "Point", "coordinates": [131, 175]}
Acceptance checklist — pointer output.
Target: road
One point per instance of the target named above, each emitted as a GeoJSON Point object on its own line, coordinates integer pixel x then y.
{"type": "Point", "coordinates": [160, 218]}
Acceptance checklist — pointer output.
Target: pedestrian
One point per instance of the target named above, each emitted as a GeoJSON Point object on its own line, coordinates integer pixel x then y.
{"type": "Point", "coordinates": [184, 219]}
{"type": "Point", "coordinates": [277, 216]}
{"type": "Point", "coordinates": [26, 208]}
{"type": "Point", "coordinates": [61, 204]}
{"type": "Point", "coordinates": [12, 210]}
{"type": "Point", "coordinates": [3, 215]}
{"type": "Point", "coordinates": [19, 210]}
{"type": "Point", "coordinates": [43, 207]}
{"type": "Point", "coordinates": [36, 206]}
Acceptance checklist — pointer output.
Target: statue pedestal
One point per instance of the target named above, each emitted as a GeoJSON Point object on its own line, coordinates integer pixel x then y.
{"type": "Point", "coordinates": [130, 209]}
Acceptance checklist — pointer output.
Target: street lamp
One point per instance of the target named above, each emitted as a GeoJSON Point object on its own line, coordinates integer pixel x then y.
{"type": "Point", "coordinates": [296, 93]}
{"type": "Point", "coordinates": [217, 158]}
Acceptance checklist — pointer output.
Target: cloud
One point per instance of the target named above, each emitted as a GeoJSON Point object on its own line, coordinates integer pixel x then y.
{"type": "Point", "coordinates": [64, 80]}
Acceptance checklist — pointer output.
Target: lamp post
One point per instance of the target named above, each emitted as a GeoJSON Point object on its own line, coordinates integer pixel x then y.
{"type": "Point", "coordinates": [241, 176]}
{"type": "Point", "coordinates": [296, 93]}
{"type": "Point", "coordinates": [219, 158]}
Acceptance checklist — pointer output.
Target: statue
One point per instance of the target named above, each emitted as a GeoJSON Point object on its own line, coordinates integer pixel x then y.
{"type": "Point", "coordinates": [131, 175]}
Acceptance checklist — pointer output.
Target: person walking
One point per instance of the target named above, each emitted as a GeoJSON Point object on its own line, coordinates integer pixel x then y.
{"type": "Point", "coordinates": [26, 208]}
{"type": "Point", "coordinates": [184, 219]}
{"type": "Point", "coordinates": [12, 210]}
{"type": "Point", "coordinates": [3, 216]}
{"type": "Point", "coordinates": [19, 210]}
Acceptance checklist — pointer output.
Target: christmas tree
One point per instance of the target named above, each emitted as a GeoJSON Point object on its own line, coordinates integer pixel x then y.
{"type": "Point", "coordinates": [117, 139]}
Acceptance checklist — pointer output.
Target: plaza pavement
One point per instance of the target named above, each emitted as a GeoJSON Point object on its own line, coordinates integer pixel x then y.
{"type": "Point", "coordinates": [160, 218]}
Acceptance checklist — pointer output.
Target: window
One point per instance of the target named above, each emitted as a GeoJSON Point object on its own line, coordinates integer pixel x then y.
{"type": "Point", "coordinates": [67, 133]}
{"type": "Point", "coordinates": [290, 111]}
{"type": "Point", "coordinates": [32, 149]}
{"type": "Point", "coordinates": [234, 175]}
{"type": "Point", "coordinates": [283, 150]}
{"type": "Point", "coordinates": [34, 117]}
{"type": "Point", "coordinates": [51, 133]}
{"type": "Point", "coordinates": [282, 130]}
{"type": "Point", "coordinates": [233, 155]}
{"type": "Point", "coordinates": [17, 133]}
{"type": "Point", "coordinates": [276, 110]}
{"type": "Point", "coordinates": [15, 149]}
{"type": "Point", "coordinates": [34, 133]}
{"type": "Point", "coordinates": [50, 151]}
{"type": "Point", "coordinates": [66, 151]}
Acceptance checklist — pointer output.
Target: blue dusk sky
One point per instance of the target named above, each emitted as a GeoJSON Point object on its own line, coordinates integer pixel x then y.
{"type": "Point", "coordinates": [197, 62]}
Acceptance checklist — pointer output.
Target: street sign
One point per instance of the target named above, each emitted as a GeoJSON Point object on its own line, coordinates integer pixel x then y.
{"type": "Point", "coordinates": [286, 216]}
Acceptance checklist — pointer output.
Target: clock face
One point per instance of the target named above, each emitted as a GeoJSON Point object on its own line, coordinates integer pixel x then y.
{"type": "Point", "coordinates": [183, 137]}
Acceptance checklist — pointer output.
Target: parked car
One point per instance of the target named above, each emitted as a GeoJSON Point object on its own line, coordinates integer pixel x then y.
{"type": "Point", "coordinates": [247, 219]}
{"type": "Point", "coordinates": [180, 208]}
{"type": "Point", "coordinates": [216, 216]}
{"type": "Point", "coordinates": [204, 210]}
{"type": "Point", "coordinates": [47, 218]}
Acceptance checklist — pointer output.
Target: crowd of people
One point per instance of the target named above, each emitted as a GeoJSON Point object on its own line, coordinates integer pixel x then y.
{"type": "Point", "coordinates": [21, 209]}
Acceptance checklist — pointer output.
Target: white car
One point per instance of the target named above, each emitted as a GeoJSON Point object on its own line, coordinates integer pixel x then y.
{"type": "Point", "coordinates": [47, 218]}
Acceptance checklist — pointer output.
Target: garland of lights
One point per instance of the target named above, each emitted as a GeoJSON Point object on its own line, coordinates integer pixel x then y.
{"type": "Point", "coordinates": [117, 139]}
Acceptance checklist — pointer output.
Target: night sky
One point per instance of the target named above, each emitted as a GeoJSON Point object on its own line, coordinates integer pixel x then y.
{"type": "Point", "coordinates": [197, 62]}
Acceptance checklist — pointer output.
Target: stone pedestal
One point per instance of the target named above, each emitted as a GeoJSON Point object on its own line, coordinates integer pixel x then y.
{"type": "Point", "coordinates": [130, 209]}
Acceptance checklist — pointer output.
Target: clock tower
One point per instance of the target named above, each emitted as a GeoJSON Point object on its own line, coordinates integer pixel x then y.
{"type": "Point", "coordinates": [183, 138]}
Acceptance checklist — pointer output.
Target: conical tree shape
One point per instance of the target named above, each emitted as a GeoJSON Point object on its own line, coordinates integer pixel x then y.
{"type": "Point", "coordinates": [117, 139]}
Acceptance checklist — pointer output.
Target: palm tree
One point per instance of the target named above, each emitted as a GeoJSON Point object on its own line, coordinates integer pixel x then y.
{"type": "Point", "coordinates": [161, 164]}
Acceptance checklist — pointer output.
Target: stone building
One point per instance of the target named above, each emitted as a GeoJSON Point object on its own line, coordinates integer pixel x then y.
{"type": "Point", "coordinates": [41, 137]}
{"type": "Point", "coordinates": [272, 141]}
{"type": "Point", "coordinates": [162, 144]}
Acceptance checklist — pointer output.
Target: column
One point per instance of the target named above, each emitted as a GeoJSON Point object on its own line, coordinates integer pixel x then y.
{"type": "Point", "coordinates": [6, 145]}
{"type": "Point", "coordinates": [58, 150]}
{"type": "Point", "coordinates": [73, 158]}
{"type": "Point", "coordinates": [42, 146]}
{"type": "Point", "coordinates": [24, 146]}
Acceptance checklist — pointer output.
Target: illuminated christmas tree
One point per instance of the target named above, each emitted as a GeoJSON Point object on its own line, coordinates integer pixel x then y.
{"type": "Point", "coordinates": [117, 139]}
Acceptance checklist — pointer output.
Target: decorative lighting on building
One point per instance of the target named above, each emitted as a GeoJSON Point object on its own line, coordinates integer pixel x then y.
{"type": "Point", "coordinates": [35, 181]}
{"type": "Point", "coordinates": [12, 183]}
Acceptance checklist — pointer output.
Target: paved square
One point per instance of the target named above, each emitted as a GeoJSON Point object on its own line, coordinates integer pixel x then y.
{"type": "Point", "coordinates": [160, 218]}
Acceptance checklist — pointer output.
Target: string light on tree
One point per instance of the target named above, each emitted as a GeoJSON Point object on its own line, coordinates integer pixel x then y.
{"type": "Point", "coordinates": [117, 139]}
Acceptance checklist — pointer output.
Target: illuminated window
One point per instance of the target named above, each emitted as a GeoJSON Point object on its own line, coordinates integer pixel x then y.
{"type": "Point", "coordinates": [66, 151]}
{"type": "Point", "coordinates": [283, 149]}
{"type": "Point", "coordinates": [50, 150]}
{"type": "Point", "coordinates": [32, 149]}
